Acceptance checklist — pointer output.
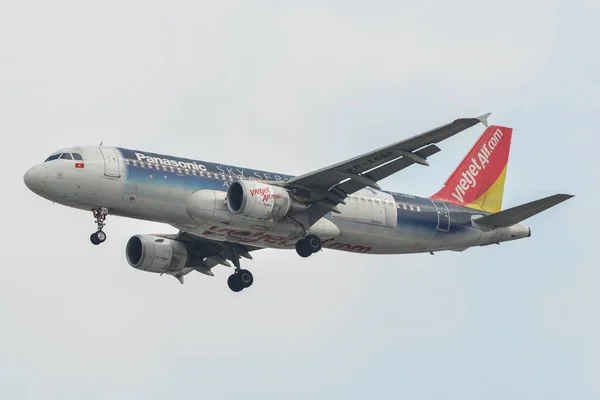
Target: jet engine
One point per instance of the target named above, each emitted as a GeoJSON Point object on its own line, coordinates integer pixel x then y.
{"type": "Point", "coordinates": [156, 254]}
{"type": "Point", "coordinates": [259, 200]}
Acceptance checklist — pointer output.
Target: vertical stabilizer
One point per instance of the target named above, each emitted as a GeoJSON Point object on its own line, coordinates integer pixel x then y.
{"type": "Point", "coordinates": [478, 182]}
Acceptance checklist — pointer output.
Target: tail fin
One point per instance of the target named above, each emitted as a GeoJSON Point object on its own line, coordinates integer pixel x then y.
{"type": "Point", "coordinates": [478, 182]}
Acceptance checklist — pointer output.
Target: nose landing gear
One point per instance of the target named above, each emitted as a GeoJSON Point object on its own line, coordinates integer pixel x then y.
{"type": "Point", "coordinates": [99, 236]}
{"type": "Point", "coordinates": [309, 245]}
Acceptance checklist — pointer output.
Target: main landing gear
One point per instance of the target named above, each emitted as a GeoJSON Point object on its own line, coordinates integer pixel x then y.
{"type": "Point", "coordinates": [309, 245]}
{"type": "Point", "coordinates": [99, 216]}
{"type": "Point", "coordinates": [241, 278]}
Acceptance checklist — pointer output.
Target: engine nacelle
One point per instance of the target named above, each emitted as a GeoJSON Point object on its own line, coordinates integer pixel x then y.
{"type": "Point", "coordinates": [258, 200]}
{"type": "Point", "coordinates": [156, 254]}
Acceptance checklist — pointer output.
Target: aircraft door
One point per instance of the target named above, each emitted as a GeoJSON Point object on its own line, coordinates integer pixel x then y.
{"type": "Point", "coordinates": [443, 216]}
{"type": "Point", "coordinates": [389, 207]}
{"type": "Point", "coordinates": [111, 162]}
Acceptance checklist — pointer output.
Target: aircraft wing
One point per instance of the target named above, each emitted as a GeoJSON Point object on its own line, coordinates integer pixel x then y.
{"type": "Point", "coordinates": [325, 188]}
{"type": "Point", "coordinates": [211, 253]}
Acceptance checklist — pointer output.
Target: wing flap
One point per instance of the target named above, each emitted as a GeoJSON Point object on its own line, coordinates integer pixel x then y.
{"type": "Point", "coordinates": [520, 213]}
{"type": "Point", "coordinates": [389, 169]}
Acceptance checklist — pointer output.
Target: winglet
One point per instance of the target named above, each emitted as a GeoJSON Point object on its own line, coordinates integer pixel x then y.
{"type": "Point", "coordinates": [484, 119]}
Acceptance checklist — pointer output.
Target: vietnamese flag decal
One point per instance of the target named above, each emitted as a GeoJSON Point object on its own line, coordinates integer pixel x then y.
{"type": "Point", "coordinates": [79, 165]}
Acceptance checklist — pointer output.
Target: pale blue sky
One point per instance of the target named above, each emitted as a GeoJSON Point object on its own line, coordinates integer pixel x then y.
{"type": "Point", "coordinates": [292, 87]}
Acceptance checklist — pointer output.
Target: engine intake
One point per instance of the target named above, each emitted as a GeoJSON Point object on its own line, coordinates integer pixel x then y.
{"type": "Point", "coordinates": [259, 200]}
{"type": "Point", "coordinates": [156, 254]}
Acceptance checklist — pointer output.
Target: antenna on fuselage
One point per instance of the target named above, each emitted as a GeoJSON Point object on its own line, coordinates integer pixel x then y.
{"type": "Point", "coordinates": [101, 143]}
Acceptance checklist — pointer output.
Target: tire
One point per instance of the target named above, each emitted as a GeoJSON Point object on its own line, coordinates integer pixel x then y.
{"type": "Point", "coordinates": [245, 277]}
{"type": "Point", "coordinates": [235, 284]}
{"type": "Point", "coordinates": [313, 243]}
{"type": "Point", "coordinates": [94, 239]}
{"type": "Point", "coordinates": [302, 248]}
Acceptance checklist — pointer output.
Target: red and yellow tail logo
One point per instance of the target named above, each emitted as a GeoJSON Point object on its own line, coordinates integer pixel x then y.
{"type": "Point", "coordinates": [478, 182]}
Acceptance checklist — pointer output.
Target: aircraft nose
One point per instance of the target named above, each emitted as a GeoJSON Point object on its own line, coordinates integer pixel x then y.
{"type": "Point", "coordinates": [35, 178]}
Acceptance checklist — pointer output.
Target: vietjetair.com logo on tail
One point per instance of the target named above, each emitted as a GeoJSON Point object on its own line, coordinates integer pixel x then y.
{"type": "Point", "coordinates": [478, 182]}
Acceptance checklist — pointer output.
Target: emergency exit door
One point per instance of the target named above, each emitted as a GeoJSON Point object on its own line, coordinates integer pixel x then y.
{"type": "Point", "coordinates": [443, 216]}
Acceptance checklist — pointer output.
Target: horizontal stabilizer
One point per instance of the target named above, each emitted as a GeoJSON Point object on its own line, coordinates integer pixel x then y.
{"type": "Point", "coordinates": [517, 214]}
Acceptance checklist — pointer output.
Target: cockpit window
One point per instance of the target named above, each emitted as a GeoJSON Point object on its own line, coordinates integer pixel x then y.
{"type": "Point", "coordinates": [77, 156]}
{"type": "Point", "coordinates": [66, 156]}
{"type": "Point", "coordinates": [52, 157]}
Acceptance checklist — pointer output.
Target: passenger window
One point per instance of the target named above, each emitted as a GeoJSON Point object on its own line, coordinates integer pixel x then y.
{"type": "Point", "coordinates": [52, 157]}
{"type": "Point", "coordinates": [77, 156]}
{"type": "Point", "coordinates": [66, 156]}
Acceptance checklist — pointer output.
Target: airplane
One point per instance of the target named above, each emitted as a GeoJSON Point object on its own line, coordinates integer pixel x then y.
{"type": "Point", "coordinates": [224, 213]}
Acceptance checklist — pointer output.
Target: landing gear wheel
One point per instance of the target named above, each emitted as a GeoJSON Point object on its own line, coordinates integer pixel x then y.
{"type": "Point", "coordinates": [235, 283]}
{"type": "Point", "coordinates": [245, 278]}
{"type": "Point", "coordinates": [98, 237]}
{"type": "Point", "coordinates": [303, 249]}
{"type": "Point", "coordinates": [309, 245]}
{"type": "Point", "coordinates": [313, 243]}
{"type": "Point", "coordinates": [100, 218]}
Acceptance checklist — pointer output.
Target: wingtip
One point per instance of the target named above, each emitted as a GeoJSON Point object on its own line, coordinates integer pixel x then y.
{"type": "Point", "coordinates": [562, 197]}
{"type": "Point", "coordinates": [484, 119]}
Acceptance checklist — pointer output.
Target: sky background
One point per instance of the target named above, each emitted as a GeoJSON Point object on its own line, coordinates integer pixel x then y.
{"type": "Point", "coordinates": [292, 87]}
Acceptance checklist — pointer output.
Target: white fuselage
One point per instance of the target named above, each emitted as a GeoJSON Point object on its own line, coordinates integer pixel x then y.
{"type": "Point", "coordinates": [190, 195]}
